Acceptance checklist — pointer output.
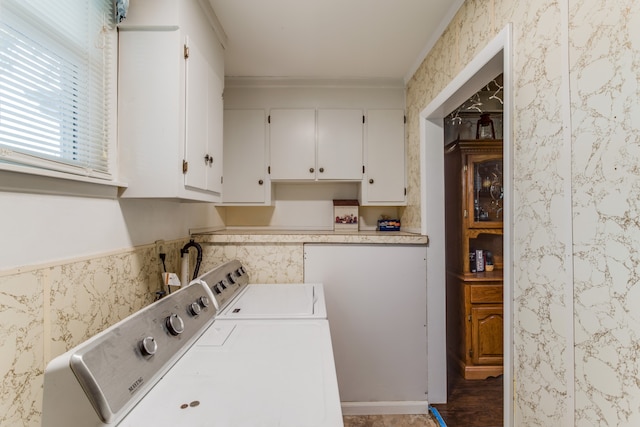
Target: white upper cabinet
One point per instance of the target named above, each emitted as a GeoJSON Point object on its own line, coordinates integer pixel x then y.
{"type": "Point", "coordinates": [384, 182]}
{"type": "Point", "coordinates": [303, 148]}
{"type": "Point", "coordinates": [204, 123]}
{"type": "Point", "coordinates": [292, 137]}
{"type": "Point", "coordinates": [340, 144]}
{"type": "Point", "coordinates": [170, 85]}
{"type": "Point", "coordinates": [246, 181]}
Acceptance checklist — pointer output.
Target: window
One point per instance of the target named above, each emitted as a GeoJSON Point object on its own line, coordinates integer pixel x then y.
{"type": "Point", "coordinates": [55, 75]}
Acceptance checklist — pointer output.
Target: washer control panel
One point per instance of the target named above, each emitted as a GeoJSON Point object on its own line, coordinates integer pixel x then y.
{"type": "Point", "coordinates": [116, 367]}
{"type": "Point", "coordinates": [225, 282]}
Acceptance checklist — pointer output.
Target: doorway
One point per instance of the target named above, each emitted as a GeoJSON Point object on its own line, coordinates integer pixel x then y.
{"type": "Point", "coordinates": [494, 59]}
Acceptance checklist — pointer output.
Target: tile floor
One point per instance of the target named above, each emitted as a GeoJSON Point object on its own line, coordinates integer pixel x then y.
{"type": "Point", "coordinates": [389, 421]}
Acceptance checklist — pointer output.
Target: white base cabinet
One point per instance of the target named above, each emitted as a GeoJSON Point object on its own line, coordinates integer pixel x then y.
{"type": "Point", "coordinates": [376, 298]}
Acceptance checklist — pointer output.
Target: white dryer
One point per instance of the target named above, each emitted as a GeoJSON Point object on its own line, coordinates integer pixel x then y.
{"type": "Point", "coordinates": [235, 298]}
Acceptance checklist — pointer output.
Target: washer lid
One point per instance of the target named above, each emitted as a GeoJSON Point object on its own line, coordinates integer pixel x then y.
{"type": "Point", "coordinates": [266, 373]}
{"type": "Point", "coordinates": [278, 301]}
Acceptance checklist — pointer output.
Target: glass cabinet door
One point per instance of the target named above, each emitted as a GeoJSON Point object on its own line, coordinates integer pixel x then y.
{"type": "Point", "coordinates": [485, 198]}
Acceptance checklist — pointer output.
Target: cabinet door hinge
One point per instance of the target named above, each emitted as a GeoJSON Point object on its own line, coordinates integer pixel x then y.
{"type": "Point", "coordinates": [466, 214]}
{"type": "Point", "coordinates": [185, 166]}
{"type": "Point", "coordinates": [469, 318]}
{"type": "Point", "coordinates": [464, 168]}
{"type": "Point", "coordinates": [186, 51]}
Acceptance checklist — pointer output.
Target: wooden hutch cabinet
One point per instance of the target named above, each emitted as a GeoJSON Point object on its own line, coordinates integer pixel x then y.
{"type": "Point", "coordinates": [474, 249]}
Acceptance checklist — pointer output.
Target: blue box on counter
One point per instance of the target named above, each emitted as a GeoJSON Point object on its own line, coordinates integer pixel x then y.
{"type": "Point", "coordinates": [388, 225]}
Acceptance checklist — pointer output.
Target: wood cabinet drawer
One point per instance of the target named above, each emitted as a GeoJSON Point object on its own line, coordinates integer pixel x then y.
{"type": "Point", "coordinates": [486, 294]}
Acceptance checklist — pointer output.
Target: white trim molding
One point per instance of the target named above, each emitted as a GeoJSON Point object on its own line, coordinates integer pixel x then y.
{"type": "Point", "coordinates": [494, 59]}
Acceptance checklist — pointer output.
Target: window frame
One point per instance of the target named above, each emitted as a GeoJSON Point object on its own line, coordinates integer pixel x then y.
{"type": "Point", "coordinates": [29, 173]}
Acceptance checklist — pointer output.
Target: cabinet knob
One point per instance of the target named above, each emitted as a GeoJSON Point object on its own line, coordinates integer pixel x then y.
{"type": "Point", "coordinates": [311, 170]}
{"type": "Point", "coordinates": [260, 182]}
{"type": "Point", "coordinates": [371, 181]}
{"type": "Point", "coordinates": [321, 170]}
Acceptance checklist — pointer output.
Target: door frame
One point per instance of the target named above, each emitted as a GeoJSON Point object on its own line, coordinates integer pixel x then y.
{"type": "Point", "coordinates": [493, 59]}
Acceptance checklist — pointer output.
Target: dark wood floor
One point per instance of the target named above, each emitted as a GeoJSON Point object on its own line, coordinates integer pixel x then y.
{"type": "Point", "coordinates": [473, 403]}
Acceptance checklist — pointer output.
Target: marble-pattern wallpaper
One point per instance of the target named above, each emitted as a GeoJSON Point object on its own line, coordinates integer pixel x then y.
{"type": "Point", "coordinates": [576, 184]}
{"type": "Point", "coordinates": [265, 262]}
{"type": "Point", "coordinates": [605, 111]}
{"type": "Point", "coordinates": [46, 310]}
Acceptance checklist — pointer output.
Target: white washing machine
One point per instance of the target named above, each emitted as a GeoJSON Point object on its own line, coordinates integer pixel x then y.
{"type": "Point", "coordinates": [249, 373]}
{"type": "Point", "coordinates": [235, 298]}
{"type": "Point", "coordinates": [173, 363]}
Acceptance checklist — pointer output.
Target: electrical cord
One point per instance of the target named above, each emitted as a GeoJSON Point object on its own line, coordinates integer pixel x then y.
{"type": "Point", "coordinates": [437, 416]}
{"type": "Point", "coordinates": [162, 258]}
{"type": "Point", "coordinates": [164, 267]}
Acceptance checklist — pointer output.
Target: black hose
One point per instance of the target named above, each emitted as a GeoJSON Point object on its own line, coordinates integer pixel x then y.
{"type": "Point", "coordinates": [185, 251]}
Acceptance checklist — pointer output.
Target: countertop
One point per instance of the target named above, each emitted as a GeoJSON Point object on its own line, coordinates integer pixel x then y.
{"type": "Point", "coordinates": [310, 236]}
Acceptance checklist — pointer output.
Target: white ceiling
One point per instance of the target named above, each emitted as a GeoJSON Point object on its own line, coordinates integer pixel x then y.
{"type": "Point", "coordinates": [370, 39]}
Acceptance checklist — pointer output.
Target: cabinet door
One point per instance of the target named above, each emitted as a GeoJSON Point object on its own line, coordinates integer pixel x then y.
{"type": "Point", "coordinates": [384, 181]}
{"type": "Point", "coordinates": [215, 132]}
{"type": "Point", "coordinates": [339, 145]}
{"type": "Point", "coordinates": [378, 323]}
{"type": "Point", "coordinates": [245, 180]}
{"type": "Point", "coordinates": [196, 79]}
{"type": "Point", "coordinates": [484, 191]}
{"type": "Point", "coordinates": [149, 106]}
{"type": "Point", "coordinates": [292, 144]}
{"type": "Point", "coordinates": [486, 334]}
{"type": "Point", "coordinates": [202, 104]}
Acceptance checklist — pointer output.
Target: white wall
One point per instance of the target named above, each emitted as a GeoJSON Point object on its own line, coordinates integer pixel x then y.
{"type": "Point", "coordinates": [40, 228]}
{"type": "Point", "coordinates": [44, 219]}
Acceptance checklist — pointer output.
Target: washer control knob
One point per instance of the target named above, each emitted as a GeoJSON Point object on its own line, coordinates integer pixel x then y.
{"type": "Point", "coordinates": [239, 272]}
{"type": "Point", "coordinates": [194, 308]}
{"type": "Point", "coordinates": [243, 270]}
{"type": "Point", "coordinates": [203, 301]}
{"type": "Point", "coordinates": [148, 346]}
{"type": "Point", "coordinates": [231, 279]}
{"type": "Point", "coordinates": [174, 324]}
{"type": "Point", "coordinates": [216, 289]}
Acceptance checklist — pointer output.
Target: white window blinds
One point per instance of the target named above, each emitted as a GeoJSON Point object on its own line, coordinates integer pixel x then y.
{"type": "Point", "coordinates": [54, 80]}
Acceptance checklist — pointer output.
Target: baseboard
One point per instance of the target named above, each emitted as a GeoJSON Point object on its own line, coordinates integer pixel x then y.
{"type": "Point", "coordinates": [385, 408]}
